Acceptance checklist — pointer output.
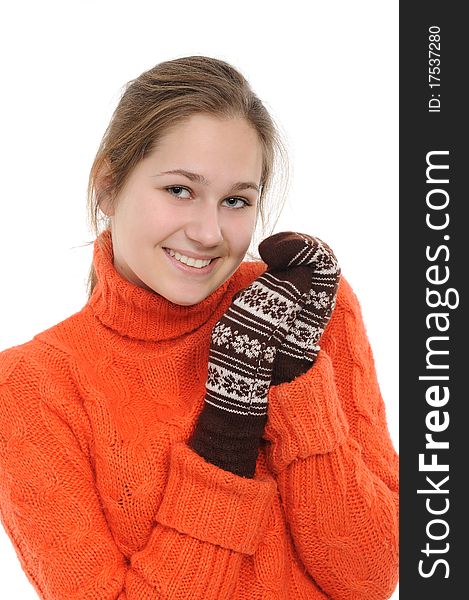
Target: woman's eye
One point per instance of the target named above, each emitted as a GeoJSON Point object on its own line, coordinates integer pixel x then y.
{"type": "Point", "coordinates": [178, 189]}
{"type": "Point", "coordinates": [243, 205]}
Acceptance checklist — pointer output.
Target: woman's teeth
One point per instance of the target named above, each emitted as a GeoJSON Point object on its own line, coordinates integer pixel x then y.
{"type": "Point", "coordinates": [192, 262]}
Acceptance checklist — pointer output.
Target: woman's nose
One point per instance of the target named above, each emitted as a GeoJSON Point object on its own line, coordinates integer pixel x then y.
{"type": "Point", "coordinates": [204, 226]}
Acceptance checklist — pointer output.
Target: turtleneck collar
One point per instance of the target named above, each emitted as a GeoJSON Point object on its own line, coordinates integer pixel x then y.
{"type": "Point", "coordinates": [138, 313]}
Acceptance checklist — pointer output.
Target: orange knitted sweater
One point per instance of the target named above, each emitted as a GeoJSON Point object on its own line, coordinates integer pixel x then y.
{"type": "Point", "coordinates": [102, 498]}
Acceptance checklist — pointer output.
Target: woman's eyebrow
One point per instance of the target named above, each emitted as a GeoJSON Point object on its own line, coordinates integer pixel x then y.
{"type": "Point", "coordinates": [240, 185]}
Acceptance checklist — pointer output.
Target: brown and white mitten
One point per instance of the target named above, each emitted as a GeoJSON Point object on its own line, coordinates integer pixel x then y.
{"type": "Point", "coordinates": [243, 346]}
{"type": "Point", "coordinates": [301, 345]}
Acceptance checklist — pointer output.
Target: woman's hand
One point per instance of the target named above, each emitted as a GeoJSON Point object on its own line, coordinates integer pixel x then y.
{"type": "Point", "coordinates": [300, 347]}
{"type": "Point", "coordinates": [243, 346]}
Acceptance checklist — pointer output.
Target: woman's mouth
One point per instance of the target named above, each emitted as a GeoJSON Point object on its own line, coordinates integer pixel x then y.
{"type": "Point", "coordinates": [190, 265]}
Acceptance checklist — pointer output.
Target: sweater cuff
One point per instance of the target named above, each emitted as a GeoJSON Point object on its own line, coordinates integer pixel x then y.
{"type": "Point", "coordinates": [214, 505]}
{"type": "Point", "coordinates": [305, 416]}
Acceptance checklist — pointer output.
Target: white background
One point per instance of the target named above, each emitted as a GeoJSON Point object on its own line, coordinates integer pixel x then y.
{"type": "Point", "coordinates": [328, 72]}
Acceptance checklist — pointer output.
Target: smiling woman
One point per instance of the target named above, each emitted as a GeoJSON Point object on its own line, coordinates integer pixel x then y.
{"type": "Point", "coordinates": [147, 216]}
{"type": "Point", "coordinates": [206, 426]}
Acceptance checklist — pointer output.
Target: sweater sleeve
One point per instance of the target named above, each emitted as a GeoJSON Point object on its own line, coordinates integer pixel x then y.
{"type": "Point", "coordinates": [336, 468]}
{"type": "Point", "coordinates": [52, 512]}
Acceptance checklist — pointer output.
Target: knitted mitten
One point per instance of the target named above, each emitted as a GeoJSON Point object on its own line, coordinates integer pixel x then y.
{"type": "Point", "coordinates": [243, 346]}
{"type": "Point", "coordinates": [300, 347]}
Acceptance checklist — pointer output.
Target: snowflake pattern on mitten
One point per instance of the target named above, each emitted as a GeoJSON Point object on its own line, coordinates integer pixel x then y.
{"type": "Point", "coordinates": [244, 342]}
{"type": "Point", "coordinates": [300, 347]}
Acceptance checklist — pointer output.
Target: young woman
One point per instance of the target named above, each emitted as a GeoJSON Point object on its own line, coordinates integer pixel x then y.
{"type": "Point", "coordinates": [204, 427]}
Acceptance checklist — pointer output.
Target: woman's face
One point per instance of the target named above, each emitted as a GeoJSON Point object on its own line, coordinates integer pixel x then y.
{"type": "Point", "coordinates": [210, 214]}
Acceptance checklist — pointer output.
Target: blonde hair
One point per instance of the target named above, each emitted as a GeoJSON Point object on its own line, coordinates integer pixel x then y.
{"type": "Point", "coordinates": [160, 99]}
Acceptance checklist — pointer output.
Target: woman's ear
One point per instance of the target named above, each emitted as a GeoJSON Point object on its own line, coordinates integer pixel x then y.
{"type": "Point", "coordinates": [104, 194]}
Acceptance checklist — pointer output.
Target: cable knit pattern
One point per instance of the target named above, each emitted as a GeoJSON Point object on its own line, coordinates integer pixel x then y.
{"type": "Point", "coordinates": [103, 499]}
